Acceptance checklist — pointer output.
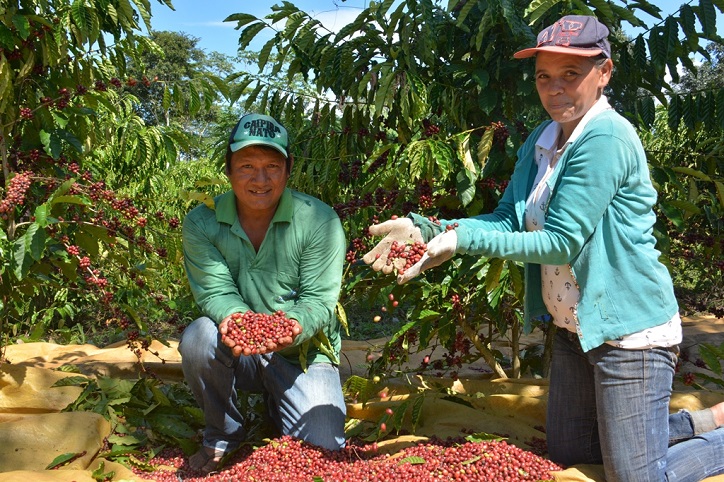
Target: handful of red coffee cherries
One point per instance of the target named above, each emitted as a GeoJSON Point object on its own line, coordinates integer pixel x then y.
{"type": "Point", "coordinates": [258, 333]}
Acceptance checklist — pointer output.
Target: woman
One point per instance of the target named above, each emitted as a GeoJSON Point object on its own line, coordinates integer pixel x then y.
{"type": "Point", "coordinates": [578, 212]}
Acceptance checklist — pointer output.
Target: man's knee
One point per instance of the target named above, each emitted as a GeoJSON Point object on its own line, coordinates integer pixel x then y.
{"type": "Point", "coordinates": [324, 426]}
{"type": "Point", "coordinates": [199, 338]}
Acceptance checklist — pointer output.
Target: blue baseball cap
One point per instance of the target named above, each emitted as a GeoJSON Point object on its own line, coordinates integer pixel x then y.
{"type": "Point", "coordinates": [581, 35]}
{"type": "Point", "coordinates": [259, 130]}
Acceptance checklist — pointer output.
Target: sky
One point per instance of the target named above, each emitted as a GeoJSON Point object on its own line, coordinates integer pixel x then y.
{"type": "Point", "coordinates": [204, 19]}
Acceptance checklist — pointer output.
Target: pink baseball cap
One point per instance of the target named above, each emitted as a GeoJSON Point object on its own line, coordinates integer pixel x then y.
{"type": "Point", "coordinates": [573, 35]}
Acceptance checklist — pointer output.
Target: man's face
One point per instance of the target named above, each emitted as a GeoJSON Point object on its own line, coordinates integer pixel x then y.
{"type": "Point", "coordinates": [258, 177]}
{"type": "Point", "coordinates": [569, 85]}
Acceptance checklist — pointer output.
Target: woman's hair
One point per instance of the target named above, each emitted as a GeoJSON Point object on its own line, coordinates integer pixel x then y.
{"type": "Point", "coordinates": [599, 60]}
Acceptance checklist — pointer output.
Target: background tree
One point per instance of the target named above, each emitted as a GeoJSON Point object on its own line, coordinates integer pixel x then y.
{"type": "Point", "coordinates": [173, 58]}
{"type": "Point", "coordinates": [709, 75]}
{"type": "Point", "coordinates": [175, 68]}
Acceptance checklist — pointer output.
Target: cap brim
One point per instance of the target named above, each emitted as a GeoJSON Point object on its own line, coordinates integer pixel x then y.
{"type": "Point", "coordinates": [525, 53]}
{"type": "Point", "coordinates": [235, 146]}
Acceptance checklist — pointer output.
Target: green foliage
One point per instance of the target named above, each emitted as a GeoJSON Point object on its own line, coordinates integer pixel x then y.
{"type": "Point", "coordinates": [358, 388]}
{"type": "Point", "coordinates": [460, 308]}
{"type": "Point", "coordinates": [100, 473]}
{"type": "Point", "coordinates": [88, 224]}
{"type": "Point", "coordinates": [707, 76]}
{"type": "Point", "coordinates": [483, 437]}
{"type": "Point", "coordinates": [410, 409]}
{"type": "Point", "coordinates": [62, 459]}
{"type": "Point", "coordinates": [361, 390]}
{"type": "Point", "coordinates": [148, 415]}
{"type": "Point", "coordinates": [177, 84]}
{"type": "Point", "coordinates": [421, 107]}
{"type": "Point", "coordinates": [705, 372]}
{"type": "Point", "coordinates": [687, 166]}
{"type": "Point", "coordinates": [713, 356]}
{"type": "Point", "coordinates": [391, 89]}
{"type": "Point", "coordinates": [143, 413]}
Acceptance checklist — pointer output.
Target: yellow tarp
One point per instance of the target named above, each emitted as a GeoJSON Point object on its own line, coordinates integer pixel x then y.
{"type": "Point", "coordinates": [33, 431]}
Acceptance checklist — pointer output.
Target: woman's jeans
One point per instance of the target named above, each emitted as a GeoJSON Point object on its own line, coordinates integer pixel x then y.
{"type": "Point", "coordinates": [309, 406]}
{"type": "Point", "coordinates": [611, 406]}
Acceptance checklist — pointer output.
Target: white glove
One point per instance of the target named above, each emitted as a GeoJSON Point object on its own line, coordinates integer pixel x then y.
{"type": "Point", "coordinates": [402, 230]}
{"type": "Point", "coordinates": [440, 249]}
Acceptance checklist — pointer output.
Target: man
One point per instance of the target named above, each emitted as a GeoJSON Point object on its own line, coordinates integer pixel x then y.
{"type": "Point", "coordinates": [264, 248]}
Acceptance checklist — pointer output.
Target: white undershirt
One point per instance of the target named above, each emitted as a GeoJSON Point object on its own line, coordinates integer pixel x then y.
{"type": "Point", "coordinates": [559, 287]}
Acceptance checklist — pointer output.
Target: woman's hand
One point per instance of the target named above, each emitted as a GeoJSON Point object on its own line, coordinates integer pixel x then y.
{"type": "Point", "coordinates": [401, 230]}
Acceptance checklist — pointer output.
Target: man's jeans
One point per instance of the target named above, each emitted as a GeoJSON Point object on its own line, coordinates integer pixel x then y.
{"type": "Point", "coordinates": [309, 406]}
{"type": "Point", "coordinates": [611, 406]}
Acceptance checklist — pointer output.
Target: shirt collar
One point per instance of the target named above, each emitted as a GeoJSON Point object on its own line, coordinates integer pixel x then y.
{"type": "Point", "coordinates": [226, 208]}
{"type": "Point", "coordinates": [549, 136]}
{"type": "Point", "coordinates": [285, 210]}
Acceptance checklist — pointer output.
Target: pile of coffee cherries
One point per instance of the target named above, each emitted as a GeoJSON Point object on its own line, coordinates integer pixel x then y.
{"type": "Point", "coordinates": [286, 459]}
{"type": "Point", "coordinates": [258, 332]}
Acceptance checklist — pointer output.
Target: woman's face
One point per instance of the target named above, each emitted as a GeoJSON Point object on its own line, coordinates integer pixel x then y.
{"type": "Point", "coordinates": [568, 85]}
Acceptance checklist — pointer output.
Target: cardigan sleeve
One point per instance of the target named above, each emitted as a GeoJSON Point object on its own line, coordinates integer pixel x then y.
{"type": "Point", "coordinates": [590, 173]}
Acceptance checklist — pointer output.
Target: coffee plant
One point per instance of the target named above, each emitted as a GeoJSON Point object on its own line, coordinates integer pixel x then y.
{"type": "Point", "coordinates": [688, 170]}
{"type": "Point", "coordinates": [428, 108]}
{"type": "Point", "coordinates": [145, 414]}
{"type": "Point", "coordinates": [84, 236]}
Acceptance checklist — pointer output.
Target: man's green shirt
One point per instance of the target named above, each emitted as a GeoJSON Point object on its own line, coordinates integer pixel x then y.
{"type": "Point", "coordinates": [298, 268]}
